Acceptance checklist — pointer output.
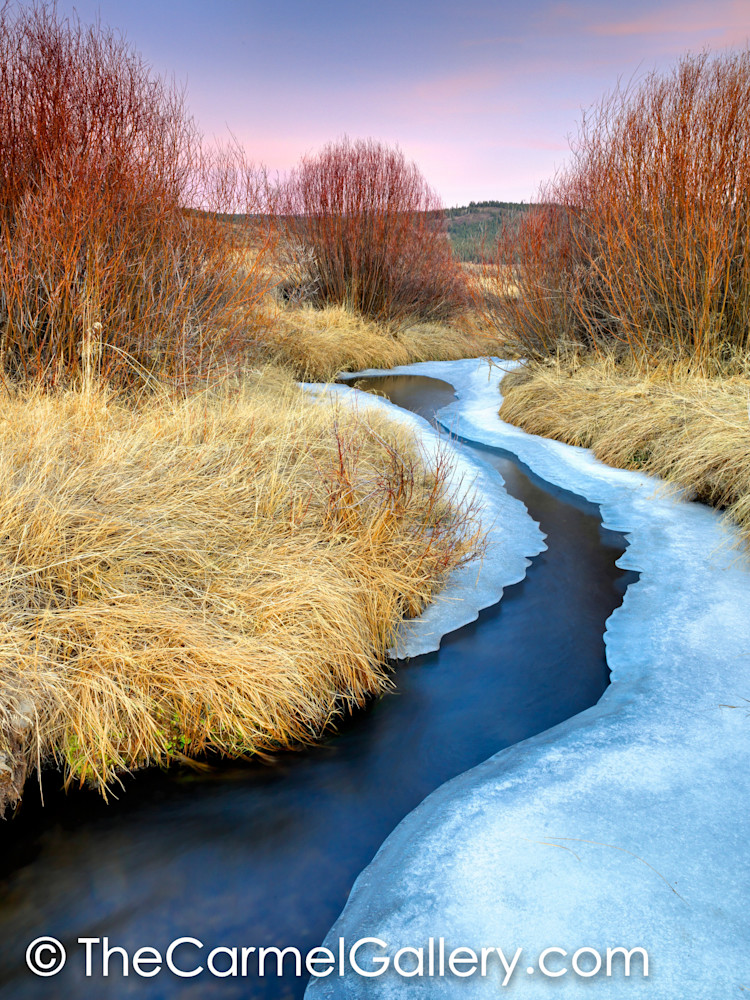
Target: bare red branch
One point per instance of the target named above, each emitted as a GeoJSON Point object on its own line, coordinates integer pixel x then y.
{"type": "Point", "coordinates": [642, 244]}
{"type": "Point", "coordinates": [104, 254]}
{"type": "Point", "coordinates": [363, 229]}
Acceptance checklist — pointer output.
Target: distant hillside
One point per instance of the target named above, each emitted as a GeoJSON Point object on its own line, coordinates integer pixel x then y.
{"type": "Point", "coordinates": [474, 228]}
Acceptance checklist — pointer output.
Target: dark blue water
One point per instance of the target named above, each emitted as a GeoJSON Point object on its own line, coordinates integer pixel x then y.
{"type": "Point", "coordinates": [257, 855]}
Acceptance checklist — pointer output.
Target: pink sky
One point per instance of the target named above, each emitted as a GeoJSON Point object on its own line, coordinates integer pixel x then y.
{"type": "Point", "coordinates": [482, 95]}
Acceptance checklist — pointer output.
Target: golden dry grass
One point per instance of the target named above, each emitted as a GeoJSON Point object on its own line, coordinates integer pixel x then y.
{"type": "Point", "coordinates": [690, 430]}
{"type": "Point", "coordinates": [487, 280]}
{"type": "Point", "coordinates": [218, 573]}
{"type": "Point", "coordinates": [317, 343]}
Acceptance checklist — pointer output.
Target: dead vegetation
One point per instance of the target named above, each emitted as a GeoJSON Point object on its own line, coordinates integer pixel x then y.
{"type": "Point", "coordinates": [691, 430]}
{"type": "Point", "coordinates": [317, 343]}
{"type": "Point", "coordinates": [218, 573]}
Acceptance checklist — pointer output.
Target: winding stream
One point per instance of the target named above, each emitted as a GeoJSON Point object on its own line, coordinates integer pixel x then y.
{"type": "Point", "coordinates": [250, 854]}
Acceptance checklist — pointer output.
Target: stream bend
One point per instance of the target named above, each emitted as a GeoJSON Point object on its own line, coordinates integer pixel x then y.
{"type": "Point", "coordinates": [249, 854]}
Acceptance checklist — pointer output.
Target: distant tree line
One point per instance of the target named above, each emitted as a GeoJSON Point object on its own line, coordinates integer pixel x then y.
{"type": "Point", "coordinates": [478, 206]}
{"type": "Point", "coordinates": [475, 229]}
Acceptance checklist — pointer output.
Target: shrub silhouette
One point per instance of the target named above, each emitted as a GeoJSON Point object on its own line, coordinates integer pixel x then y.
{"type": "Point", "coordinates": [364, 230]}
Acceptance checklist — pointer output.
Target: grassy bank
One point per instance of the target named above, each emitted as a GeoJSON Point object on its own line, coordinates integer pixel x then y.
{"type": "Point", "coordinates": [689, 429]}
{"type": "Point", "coordinates": [218, 573]}
{"type": "Point", "coordinates": [318, 343]}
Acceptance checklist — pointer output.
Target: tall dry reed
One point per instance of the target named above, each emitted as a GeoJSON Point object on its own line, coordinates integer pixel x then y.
{"type": "Point", "coordinates": [317, 343]}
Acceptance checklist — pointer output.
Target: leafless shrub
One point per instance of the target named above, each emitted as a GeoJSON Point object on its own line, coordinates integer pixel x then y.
{"type": "Point", "coordinates": [364, 230]}
{"type": "Point", "coordinates": [112, 212]}
{"type": "Point", "coordinates": [642, 243]}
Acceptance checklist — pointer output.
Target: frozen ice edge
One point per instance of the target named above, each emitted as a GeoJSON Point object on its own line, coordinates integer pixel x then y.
{"type": "Point", "coordinates": [627, 825]}
{"type": "Point", "coordinates": [512, 535]}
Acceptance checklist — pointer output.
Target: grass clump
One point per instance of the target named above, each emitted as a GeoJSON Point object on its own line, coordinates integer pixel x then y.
{"type": "Point", "coordinates": [218, 569]}
{"type": "Point", "coordinates": [317, 343]}
{"type": "Point", "coordinates": [222, 572]}
{"type": "Point", "coordinates": [691, 430]}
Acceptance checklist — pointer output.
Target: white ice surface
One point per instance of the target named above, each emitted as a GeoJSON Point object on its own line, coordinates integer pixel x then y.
{"type": "Point", "coordinates": [627, 825]}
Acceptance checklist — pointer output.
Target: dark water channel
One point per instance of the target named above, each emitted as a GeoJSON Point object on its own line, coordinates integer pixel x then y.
{"type": "Point", "coordinates": [251, 854]}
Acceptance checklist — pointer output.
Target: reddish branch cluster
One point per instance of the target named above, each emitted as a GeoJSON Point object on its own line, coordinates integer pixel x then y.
{"type": "Point", "coordinates": [642, 244]}
{"type": "Point", "coordinates": [98, 159]}
{"type": "Point", "coordinates": [364, 230]}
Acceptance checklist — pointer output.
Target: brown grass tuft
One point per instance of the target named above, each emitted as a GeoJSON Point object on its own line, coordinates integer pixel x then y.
{"type": "Point", "coordinates": [690, 430]}
{"type": "Point", "coordinates": [222, 572]}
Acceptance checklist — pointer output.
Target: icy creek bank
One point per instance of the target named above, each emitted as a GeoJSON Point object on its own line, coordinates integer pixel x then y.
{"type": "Point", "coordinates": [628, 825]}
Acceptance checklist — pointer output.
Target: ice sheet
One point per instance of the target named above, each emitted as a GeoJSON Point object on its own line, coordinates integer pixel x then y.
{"type": "Point", "coordinates": [627, 825]}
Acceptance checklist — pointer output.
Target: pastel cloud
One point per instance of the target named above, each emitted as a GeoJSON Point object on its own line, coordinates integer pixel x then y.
{"type": "Point", "coordinates": [466, 85]}
{"type": "Point", "coordinates": [726, 22]}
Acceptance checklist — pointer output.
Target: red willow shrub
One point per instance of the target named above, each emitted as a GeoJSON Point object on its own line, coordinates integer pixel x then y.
{"type": "Point", "coordinates": [102, 264]}
{"type": "Point", "coordinates": [642, 243]}
{"type": "Point", "coordinates": [363, 229]}
{"type": "Point", "coordinates": [533, 293]}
